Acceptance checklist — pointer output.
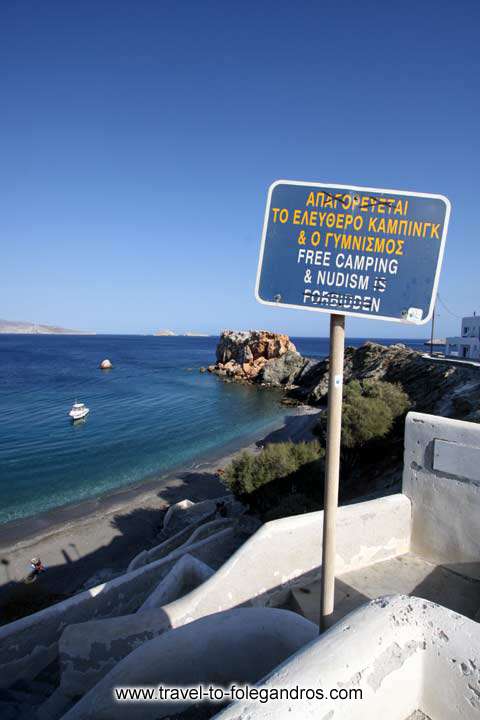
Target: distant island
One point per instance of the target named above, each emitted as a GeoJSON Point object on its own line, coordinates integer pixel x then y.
{"type": "Point", "coordinates": [170, 333]}
{"type": "Point", "coordinates": [28, 328]}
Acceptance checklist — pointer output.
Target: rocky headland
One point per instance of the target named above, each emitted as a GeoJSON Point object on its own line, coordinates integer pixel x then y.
{"type": "Point", "coordinates": [271, 359]}
{"type": "Point", "coordinates": [433, 385]}
{"type": "Point", "coordinates": [256, 356]}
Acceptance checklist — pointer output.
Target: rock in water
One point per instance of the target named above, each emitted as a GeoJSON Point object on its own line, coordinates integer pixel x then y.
{"type": "Point", "coordinates": [106, 364]}
{"type": "Point", "coordinates": [245, 347]}
{"type": "Point", "coordinates": [257, 355]}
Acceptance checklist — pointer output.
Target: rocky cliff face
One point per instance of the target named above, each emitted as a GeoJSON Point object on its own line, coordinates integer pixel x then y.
{"type": "Point", "coordinates": [256, 355]}
{"type": "Point", "coordinates": [433, 386]}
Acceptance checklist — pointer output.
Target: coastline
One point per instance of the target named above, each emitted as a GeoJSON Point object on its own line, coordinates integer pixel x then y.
{"type": "Point", "coordinates": [78, 540]}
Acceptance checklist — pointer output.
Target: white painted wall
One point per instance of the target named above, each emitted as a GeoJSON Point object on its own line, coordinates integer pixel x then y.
{"type": "Point", "coordinates": [188, 535]}
{"type": "Point", "coordinates": [441, 476]}
{"type": "Point", "coordinates": [278, 554]}
{"type": "Point", "coordinates": [404, 653]}
{"type": "Point", "coordinates": [187, 574]}
{"type": "Point", "coordinates": [437, 517]}
{"type": "Point", "coordinates": [241, 644]}
{"type": "Point", "coordinates": [31, 643]}
{"type": "Point", "coordinates": [468, 343]}
{"type": "Point", "coordinates": [471, 326]}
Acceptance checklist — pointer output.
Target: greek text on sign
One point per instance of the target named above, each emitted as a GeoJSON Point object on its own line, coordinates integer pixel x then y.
{"type": "Point", "coordinates": [352, 250]}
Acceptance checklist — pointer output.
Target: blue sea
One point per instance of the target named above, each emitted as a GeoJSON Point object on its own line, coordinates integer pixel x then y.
{"type": "Point", "coordinates": [153, 412]}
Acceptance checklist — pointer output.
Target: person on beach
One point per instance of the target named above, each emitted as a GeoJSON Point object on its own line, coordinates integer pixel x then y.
{"type": "Point", "coordinates": [37, 568]}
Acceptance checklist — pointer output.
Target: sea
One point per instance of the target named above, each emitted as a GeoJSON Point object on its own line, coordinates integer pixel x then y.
{"type": "Point", "coordinates": [152, 413]}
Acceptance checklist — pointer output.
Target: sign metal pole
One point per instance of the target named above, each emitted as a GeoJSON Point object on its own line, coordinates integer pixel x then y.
{"type": "Point", "coordinates": [391, 276]}
{"type": "Point", "coordinates": [332, 467]}
{"type": "Point", "coordinates": [431, 336]}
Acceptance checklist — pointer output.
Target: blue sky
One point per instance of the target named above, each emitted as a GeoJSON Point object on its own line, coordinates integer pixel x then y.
{"type": "Point", "coordinates": [138, 140]}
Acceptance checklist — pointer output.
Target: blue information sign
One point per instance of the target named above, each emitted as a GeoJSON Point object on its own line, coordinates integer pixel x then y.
{"type": "Point", "coordinates": [350, 250]}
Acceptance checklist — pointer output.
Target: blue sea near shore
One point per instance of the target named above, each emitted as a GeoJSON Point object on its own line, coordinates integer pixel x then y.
{"type": "Point", "coordinates": [151, 413]}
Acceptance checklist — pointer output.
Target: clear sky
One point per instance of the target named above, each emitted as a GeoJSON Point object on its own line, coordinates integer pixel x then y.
{"type": "Point", "coordinates": [138, 140]}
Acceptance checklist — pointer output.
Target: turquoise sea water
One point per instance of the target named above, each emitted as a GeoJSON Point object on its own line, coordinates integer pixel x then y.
{"type": "Point", "coordinates": [153, 412]}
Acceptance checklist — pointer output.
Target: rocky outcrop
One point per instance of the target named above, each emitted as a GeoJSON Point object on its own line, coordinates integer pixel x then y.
{"type": "Point", "coordinates": [433, 385]}
{"type": "Point", "coordinates": [283, 370]}
{"type": "Point", "coordinates": [256, 355]}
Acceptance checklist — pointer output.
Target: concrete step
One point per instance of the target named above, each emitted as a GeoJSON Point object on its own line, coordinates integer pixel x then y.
{"type": "Point", "coordinates": [405, 574]}
{"type": "Point", "coordinates": [231, 545]}
{"type": "Point", "coordinates": [305, 599]}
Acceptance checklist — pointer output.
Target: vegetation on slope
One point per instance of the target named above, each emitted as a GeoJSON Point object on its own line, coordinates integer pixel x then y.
{"type": "Point", "coordinates": [279, 471]}
{"type": "Point", "coordinates": [287, 478]}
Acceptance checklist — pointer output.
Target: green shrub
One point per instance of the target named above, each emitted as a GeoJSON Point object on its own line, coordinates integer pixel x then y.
{"type": "Point", "coordinates": [363, 418]}
{"type": "Point", "coordinates": [392, 394]}
{"type": "Point", "coordinates": [288, 478]}
{"type": "Point", "coordinates": [369, 411]}
{"type": "Point", "coordinates": [277, 461]}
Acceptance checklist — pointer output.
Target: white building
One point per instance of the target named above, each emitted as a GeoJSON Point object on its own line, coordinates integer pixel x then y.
{"type": "Point", "coordinates": [468, 344]}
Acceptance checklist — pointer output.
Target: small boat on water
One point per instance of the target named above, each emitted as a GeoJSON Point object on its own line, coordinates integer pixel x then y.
{"type": "Point", "coordinates": [78, 411]}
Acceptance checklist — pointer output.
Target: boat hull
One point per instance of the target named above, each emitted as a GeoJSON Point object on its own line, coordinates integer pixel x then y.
{"type": "Point", "coordinates": [78, 415]}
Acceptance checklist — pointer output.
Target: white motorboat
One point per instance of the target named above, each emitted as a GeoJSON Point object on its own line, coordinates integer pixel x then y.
{"type": "Point", "coordinates": [78, 411]}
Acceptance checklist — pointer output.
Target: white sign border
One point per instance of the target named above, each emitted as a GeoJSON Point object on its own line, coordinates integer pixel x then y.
{"type": "Point", "coordinates": [334, 311]}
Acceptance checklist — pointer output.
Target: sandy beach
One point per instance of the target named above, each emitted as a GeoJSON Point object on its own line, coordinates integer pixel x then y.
{"type": "Point", "coordinates": [78, 541]}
